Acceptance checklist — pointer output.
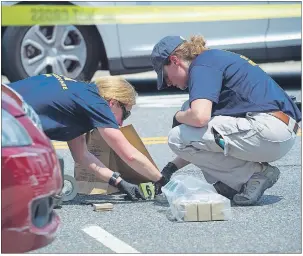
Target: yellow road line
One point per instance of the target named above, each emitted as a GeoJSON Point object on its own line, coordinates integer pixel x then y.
{"type": "Point", "coordinates": [154, 138]}
{"type": "Point", "coordinates": [28, 15]}
{"type": "Point", "coordinates": [146, 141]}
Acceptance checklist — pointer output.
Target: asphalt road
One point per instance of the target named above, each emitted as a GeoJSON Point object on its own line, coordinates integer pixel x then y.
{"type": "Point", "coordinates": [272, 226]}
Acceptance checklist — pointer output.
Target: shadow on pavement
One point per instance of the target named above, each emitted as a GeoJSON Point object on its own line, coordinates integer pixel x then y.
{"type": "Point", "coordinates": [119, 199]}
{"type": "Point", "coordinates": [87, 200]}
{"type": "Point", "coordinates": [265, 200]}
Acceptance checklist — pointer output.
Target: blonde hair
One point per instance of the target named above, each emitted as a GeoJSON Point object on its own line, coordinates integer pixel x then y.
{"type": "Point", "coordinates": [189, 50]}
{"type": "Point", "coordinates": [117, 88]}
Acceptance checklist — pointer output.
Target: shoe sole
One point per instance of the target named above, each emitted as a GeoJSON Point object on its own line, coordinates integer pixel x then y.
{"type": "Point", "coordinates": [268, 184]}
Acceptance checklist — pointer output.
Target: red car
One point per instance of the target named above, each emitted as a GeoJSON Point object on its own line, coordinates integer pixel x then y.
{"type": "Point", "coordinates": [30, 177]}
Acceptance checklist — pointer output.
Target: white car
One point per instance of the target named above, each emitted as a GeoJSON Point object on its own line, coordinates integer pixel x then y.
{"type": "Point", "coordinates": [78, 51]}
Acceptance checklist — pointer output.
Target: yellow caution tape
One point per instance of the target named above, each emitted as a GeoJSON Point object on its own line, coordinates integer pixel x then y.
{"type": "Point", "coordinates": [148, 190]}
{"type": "Point", "coordinates": [28, 15]}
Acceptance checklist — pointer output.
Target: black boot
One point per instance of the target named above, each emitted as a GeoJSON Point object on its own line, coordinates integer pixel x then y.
{"type": "Point", "coordinates": [225, 190]}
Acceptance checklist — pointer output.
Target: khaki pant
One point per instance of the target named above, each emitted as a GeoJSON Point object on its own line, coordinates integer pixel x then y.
{"type": "Point", "coordinates": [257, 138]}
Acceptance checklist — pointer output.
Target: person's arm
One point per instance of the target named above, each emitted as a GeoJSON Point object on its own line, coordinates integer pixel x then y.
{"type": "Point", "coordinates": [129, 154]}
{"type": "Point", "coordinates": [87, 160]}
{"type": "Point", "coordinates": [204, 85]}
{"type": "Point", "coordinates": [198, 115]}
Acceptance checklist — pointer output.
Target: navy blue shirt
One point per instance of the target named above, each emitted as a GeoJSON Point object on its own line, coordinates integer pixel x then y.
{"type": "Point", "coordinates": [67, 108]}
{"type": "Point", "coordinates": [236, 85]}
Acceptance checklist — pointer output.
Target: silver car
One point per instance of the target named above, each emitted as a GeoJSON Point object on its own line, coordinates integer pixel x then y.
{"type": "Point", "coordinates": [78, 51]}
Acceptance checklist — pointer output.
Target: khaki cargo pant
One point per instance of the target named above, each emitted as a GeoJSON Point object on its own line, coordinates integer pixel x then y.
{"type": "Point", "coordinates": [249, 141]}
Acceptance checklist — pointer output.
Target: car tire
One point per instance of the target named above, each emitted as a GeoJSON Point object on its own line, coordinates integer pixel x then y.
{"type": "Point", "coordinates": [11, 53]}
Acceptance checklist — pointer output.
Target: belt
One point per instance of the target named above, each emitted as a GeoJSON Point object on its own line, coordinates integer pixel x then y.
{"type": "Point", "coordinates": [286, 119]}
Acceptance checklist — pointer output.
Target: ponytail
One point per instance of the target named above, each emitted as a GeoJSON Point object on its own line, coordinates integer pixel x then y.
{"type": "Point", "coordinates": [189, 50]}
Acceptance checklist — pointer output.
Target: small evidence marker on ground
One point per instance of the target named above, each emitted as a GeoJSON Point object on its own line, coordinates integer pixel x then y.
{"type": "Point", "coordinates": [103, 207]}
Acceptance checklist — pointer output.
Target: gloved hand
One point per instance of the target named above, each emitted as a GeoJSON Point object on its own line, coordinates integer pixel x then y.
{"type": "Point", "coordinates": [159, 184]}
{"type": "Point", "coordinates": [131, 190]}
{"type": "Point", "coordinates": [175, 122]}
{"type": "Point", "coordinates": [167, 172]}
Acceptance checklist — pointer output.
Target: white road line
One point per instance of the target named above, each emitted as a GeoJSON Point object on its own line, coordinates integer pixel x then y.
{"type": "Point", "coordinates": [177, 100]}
{"type": "Point", "coordinates": [160, 105]}
{"type": "Point", "coordinates": [161, 101]}
{"type": "Point", "coordinates": [109, 240]}
{"type": "Point", "coordinates": [169, 101]}
{"type": "Point", "coordinates": [163, 97]}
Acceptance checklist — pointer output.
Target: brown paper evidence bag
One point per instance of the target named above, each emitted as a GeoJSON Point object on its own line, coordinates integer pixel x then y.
{"type": "Point", "coordinates": [88, 183]}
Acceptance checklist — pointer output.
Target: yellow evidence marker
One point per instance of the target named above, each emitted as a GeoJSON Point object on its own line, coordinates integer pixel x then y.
{"type": "Point", "coordinates": [148, 190]}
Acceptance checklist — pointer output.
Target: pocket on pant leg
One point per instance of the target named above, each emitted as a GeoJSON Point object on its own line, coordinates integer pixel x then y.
{"type": "Point", "coordinates": [236, 126]}
{"type": "Point", "coordinates": [246, 128]}
{"type": "Point", "coordinates": [236, 132]}
{"type": "Point", "coordinates": [197, 138]}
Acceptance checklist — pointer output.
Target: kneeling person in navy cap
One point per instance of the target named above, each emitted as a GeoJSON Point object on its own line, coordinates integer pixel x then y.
{"type": "Point", "coordinates": [236, 121]}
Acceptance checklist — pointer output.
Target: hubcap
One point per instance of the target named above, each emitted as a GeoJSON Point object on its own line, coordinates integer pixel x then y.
{"type": "Point", "coordinates": [53, 49]}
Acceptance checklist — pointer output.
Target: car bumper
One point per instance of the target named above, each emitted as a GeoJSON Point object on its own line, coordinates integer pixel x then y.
{"type": "Point", "coordinates": [16, 240]}
{"type": "Point", "coordinates": [30, 177]}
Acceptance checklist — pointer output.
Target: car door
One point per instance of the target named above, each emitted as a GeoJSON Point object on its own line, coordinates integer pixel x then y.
{"type": "Point", "coordinates": [283, 37]}
{"type": "Point", "coordinates": [232, 32]}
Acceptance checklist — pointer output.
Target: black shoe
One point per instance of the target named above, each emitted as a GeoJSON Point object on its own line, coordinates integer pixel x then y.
{"type": "Point", "coordinates": [254, 188]}
{"type": "Point", "coordinates": [225, 190]}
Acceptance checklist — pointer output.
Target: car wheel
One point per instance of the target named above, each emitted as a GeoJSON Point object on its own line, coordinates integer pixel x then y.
{"type": "Point", "coordinates": [72, 51]}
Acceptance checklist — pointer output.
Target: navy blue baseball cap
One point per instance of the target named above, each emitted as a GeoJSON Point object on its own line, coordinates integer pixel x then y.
{"type": "Point", "coordinates": [161, 52]}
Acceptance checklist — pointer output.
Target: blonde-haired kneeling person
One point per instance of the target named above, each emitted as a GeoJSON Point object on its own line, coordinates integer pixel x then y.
{"type": "Point", "coordinates": [68, 109]}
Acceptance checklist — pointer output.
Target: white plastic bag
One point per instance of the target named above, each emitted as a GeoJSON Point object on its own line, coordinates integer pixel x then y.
{"type": "Point", "coordinates": [192, 199]}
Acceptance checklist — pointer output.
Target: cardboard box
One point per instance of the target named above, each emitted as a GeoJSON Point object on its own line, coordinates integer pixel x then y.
{"type": "Point", "coordinates": [88, 183]}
